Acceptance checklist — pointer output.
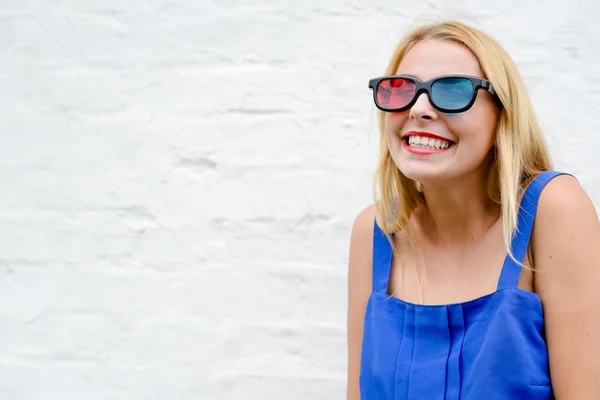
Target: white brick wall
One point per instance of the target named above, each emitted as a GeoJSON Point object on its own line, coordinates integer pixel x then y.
{"type": "Point", "coordinates": [178, 180]}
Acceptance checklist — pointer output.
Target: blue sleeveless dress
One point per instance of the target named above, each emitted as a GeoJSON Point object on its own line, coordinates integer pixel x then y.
{"type": "Point", "coordinates": [492, 347]}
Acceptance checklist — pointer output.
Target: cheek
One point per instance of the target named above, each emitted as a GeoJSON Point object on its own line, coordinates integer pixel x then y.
{"type": "Point", "coordinates": [484, 119]}
{"type": "Point", "coordinates": [474, 126]}
{"type": "Point", "coordinates": [394, 122]}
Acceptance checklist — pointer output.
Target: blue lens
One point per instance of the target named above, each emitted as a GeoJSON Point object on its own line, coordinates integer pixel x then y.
{"type": "Point", "coordinates": [452, 93]}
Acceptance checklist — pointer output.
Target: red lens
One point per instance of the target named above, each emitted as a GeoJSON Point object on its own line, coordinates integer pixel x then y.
{"type": "Point", "coordinates": [394, 93]}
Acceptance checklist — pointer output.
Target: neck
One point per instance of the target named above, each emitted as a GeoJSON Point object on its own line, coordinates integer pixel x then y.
{"type": "Point", "coordinates": [460, 212]}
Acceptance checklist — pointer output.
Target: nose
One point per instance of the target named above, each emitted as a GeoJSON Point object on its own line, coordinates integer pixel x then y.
{"type": "Point", "coordinates": [422, 109]}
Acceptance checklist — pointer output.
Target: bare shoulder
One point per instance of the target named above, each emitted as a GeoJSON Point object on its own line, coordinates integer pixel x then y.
{"type": "Point", "coordinates": [359, 288]}
{"type": "Point", "coordinates": [566, 222]}
{"type": "Point", "coordinates": [564, 193]}
{"type": "Point", "coordinates": [565, 241]}
{"type": "Point", "coordinates": [565, 217]}
{"type": "Point", "coordinates": [361, 246]}
{"type": "Point", "coordinates": [362, 228]}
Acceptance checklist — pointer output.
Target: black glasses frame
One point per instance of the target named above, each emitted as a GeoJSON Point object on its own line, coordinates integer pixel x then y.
{"type": "Point", "coordinates": [425, 87]}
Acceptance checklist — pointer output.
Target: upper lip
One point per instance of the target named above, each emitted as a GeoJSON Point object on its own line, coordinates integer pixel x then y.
{"type": "Point", "coordinates": [427, 134]}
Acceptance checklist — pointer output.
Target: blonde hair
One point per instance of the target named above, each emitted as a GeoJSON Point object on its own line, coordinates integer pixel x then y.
{"type": "Point", "coordinates": [521, 151]}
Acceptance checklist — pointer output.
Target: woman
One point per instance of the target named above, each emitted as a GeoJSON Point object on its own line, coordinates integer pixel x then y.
{"type": "Point", "coordinates": [454, 292]}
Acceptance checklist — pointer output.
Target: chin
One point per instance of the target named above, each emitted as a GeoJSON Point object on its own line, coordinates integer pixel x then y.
{"type": "Point", "coordinates": [435, 175]}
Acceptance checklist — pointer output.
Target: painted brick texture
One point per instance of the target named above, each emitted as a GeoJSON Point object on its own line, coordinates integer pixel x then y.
{"type": "Point", "coordinates": [179, 178]}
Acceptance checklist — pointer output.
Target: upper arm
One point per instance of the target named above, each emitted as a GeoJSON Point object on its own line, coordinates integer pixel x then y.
{"type": "Point", "coordinates": [359, 289]}
{"type": "Point", "coordinates": [566, 243]}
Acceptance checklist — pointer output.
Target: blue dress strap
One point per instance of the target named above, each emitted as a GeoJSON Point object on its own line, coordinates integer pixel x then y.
{"type": "Point", "coordinates": [509, 277]}
{"type": "Point", "coordinates": [382, 260]}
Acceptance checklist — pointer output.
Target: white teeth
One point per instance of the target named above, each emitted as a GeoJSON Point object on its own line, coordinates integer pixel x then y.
{"type": "Point", "coordinates": [422, 141]}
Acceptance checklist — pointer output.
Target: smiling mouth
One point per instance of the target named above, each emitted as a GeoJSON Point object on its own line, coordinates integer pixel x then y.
{"type": "Point", "coordinates": [428, 143]}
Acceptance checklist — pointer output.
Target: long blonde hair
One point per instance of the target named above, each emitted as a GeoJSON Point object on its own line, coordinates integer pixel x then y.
{"type": "Point", "coordinates": [521, 151]}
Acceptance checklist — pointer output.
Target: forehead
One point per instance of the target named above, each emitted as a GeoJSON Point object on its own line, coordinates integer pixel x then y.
{"type": "Point", "coordinates": [431, 58]}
